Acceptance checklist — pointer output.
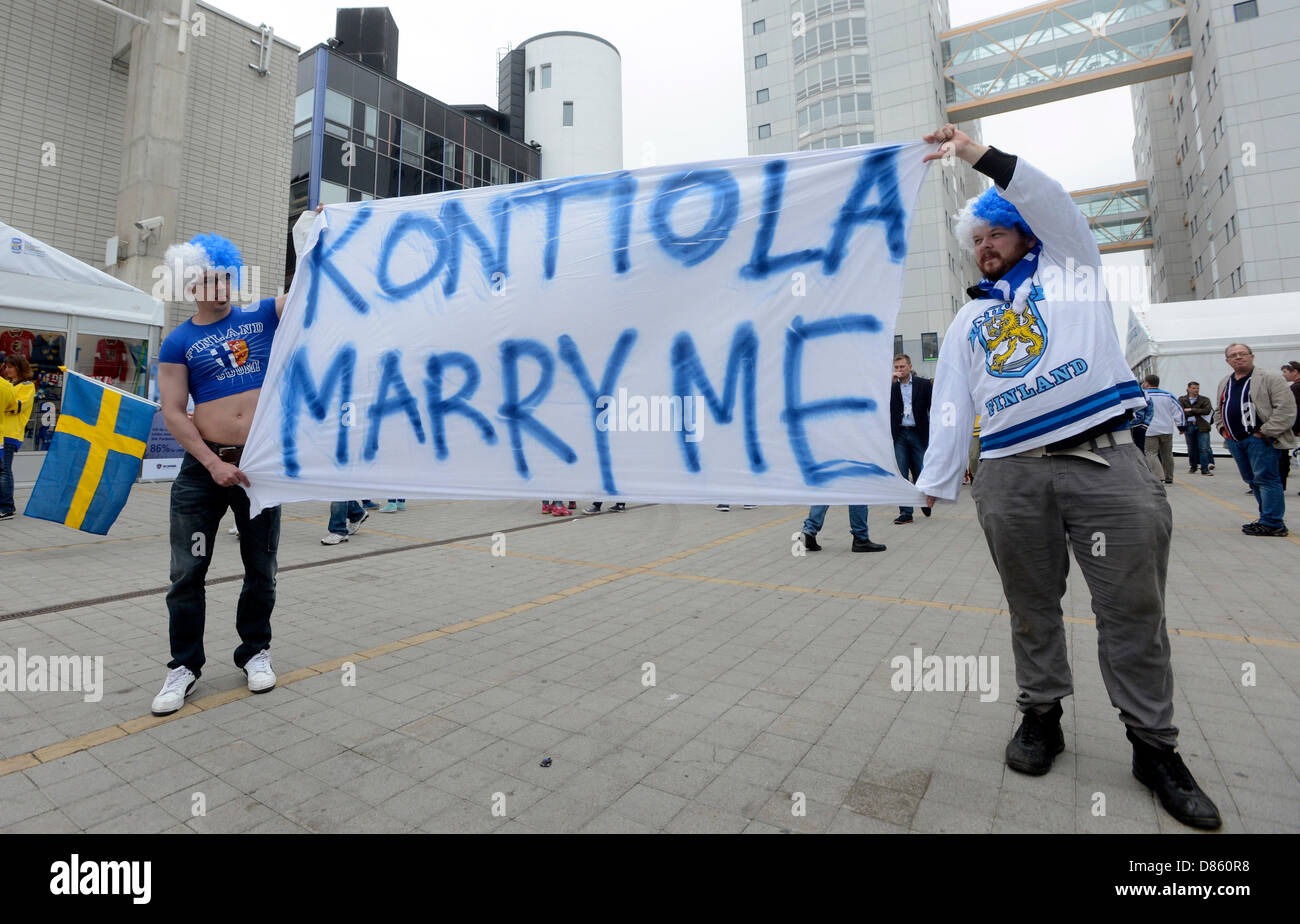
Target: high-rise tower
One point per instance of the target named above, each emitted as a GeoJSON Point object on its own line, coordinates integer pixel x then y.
{"type": "Point", "coordinates": [833, 73]}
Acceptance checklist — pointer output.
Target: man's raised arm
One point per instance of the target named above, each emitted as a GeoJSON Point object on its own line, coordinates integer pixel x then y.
{"type": "Point", "coordinates": [1045, 204]}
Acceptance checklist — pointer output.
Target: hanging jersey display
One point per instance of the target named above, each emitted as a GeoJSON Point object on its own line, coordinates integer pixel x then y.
{"type": "Point", "coordinates": [110, 361]}
{"type": "Point", "coordinates": [17, 341]}
{"type": "Point", "coordinates": [47, 351]}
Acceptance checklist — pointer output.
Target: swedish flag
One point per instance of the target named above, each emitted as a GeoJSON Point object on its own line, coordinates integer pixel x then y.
{"type": "Point", "coordinates": [94, 457]}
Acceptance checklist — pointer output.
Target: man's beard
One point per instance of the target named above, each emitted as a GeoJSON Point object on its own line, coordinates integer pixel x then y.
{"type": "Point", "coordinates": [996, 268]}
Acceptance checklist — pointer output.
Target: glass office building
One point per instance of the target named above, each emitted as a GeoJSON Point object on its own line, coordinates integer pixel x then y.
{"type": "Point", "coordinates": [360, 134]}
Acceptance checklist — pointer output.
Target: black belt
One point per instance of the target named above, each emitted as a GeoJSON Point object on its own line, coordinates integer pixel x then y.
{"type": "Point", "coordinates": [226, 453]}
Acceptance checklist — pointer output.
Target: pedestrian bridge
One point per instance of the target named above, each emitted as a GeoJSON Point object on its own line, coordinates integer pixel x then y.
{"type": "Point", "coordinates": [1061, 49]}
{"type": "Point", "coordinates": [1119, 215]}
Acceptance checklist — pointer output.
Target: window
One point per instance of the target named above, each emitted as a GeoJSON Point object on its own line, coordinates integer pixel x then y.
{"type": "Point", "coordinates": [765, 131]}
{"type": "Point", "coordinates": [46, 350]}
{"type": "Point", "coordinates": [760, 61]}
{"type": "Point", "coordinates": [568, 112]}
{"type": "Point", "coordinates": [302, 113]}
{"type": "Point", "coordinates": [111, 360]}
{"type": "Point", "coordinates": [760, 27]}
{"type": "Point", "coordinates": [546, 76]}
{"type": "Point", "coordinates": [1243, 11]}
{"type": "Point", "coordinates": [338, 114]}
{"type": "Point", "coordinates": [532, 79]}
{"type": "Point", "coordinates": [930, 346]}
{"type": "Point", "coordinates": [331, 193]}
{"type": "Point", "coordinates": [761, 96]}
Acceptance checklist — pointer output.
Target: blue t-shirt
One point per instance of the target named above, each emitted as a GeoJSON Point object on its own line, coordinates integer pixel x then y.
{"type": "Point", "coordinates": [227, 357]}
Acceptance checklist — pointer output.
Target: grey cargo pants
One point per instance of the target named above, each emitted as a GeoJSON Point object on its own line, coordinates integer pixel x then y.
{"type": "Point", "coordinates": [1118, 521]}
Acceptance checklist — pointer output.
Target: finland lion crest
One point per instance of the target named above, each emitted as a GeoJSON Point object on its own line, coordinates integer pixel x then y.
{"type": "Point", "coordinates": [1013, 335]}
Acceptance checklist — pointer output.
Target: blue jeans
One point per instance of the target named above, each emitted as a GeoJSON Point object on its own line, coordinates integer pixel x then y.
{"type": "Point", "coordinates": [197, 505]}
{"type": "Point", "coordinates": [1257, 461]}
{"type": "Point", "coordinates": [7, 477]}
{"type": "Point", "coordinates": [909, 452]}
{"type": "Point", "coordinates": [1199, 453]}
{"type": "Point", "coordinates": [857, 521]}
{"type": "Point", "coordinates": [341, 512]}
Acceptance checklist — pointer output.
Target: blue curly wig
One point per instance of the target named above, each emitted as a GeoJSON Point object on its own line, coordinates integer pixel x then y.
{"type": "Point", "coordinates": [207, 251]}
{"type": "Point", "coordinates": [989, 209]}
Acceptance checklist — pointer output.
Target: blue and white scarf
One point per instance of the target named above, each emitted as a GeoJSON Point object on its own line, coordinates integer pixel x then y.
{"type": "Point", "coordinates": [1015, 284]}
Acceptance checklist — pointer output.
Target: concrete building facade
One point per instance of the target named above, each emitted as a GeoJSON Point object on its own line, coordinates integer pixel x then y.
{"type": "Point", "coordinates": [834, 73]}
{"type": "Point", "coordinates": [1220, 150]}
{"type": "Point", "coordinates": [564, 92]}
{"type": "Point", "coordinates": [108, 122]}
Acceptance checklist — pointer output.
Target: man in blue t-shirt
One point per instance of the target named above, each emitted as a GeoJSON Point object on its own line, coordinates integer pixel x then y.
{"type": "Point", "coordinates": [220, 358]}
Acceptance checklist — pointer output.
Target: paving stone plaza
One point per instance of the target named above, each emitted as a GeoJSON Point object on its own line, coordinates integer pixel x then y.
{"type": "Point", "coordinates": [683, 669]}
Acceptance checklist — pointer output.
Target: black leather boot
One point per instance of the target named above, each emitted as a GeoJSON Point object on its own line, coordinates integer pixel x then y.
{"type": "Point", "coordinates": [1037, 742]}
{"type": "Point", "coordinates": [1161, 769]}
{"type": "Point", "coordinates": [810, 543]}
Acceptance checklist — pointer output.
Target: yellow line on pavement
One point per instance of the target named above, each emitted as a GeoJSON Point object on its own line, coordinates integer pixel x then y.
{"type": "Point", "coordinates": [875, 598]}
{"type": "Point", "coordinates": [130, 727]}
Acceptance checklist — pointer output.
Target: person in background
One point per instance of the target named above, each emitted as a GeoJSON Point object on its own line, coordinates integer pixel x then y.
{"type": "Point", "coordinates": [973, 461]}
{"type": "Point", "coordinates": [857, 526]}
{"type": "Point", "coordinates": [1197, 411]}
{"type": "Point", "coordinates": [1138, 425]}
{"type": "Point", "coordinates": [16, 400]}
{"type": "Point", "coordinates": [1255, 415]}
{"type": "Point", "coordinates": [909, 424]}
{"type": "Point", "coordinates": [346, 518]}
{"type": "Point", "coordinates": [1166, 417]}
{"type": "Point", "coordinates": [596, 505]}
{"type": "Point", "coordinates": [1290, 372]}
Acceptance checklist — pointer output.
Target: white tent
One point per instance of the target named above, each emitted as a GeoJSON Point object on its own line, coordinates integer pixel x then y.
{"type": "Point", "coordinates": [60, 311]}
{"type": "Point", "coordinates": [37, 277]}
{"type": "Point", "coordinates": [1184, 341]}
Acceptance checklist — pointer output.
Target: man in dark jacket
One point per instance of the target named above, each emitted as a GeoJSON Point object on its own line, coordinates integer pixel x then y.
{"type": "Point", "coordinates": [1197, 410]}
{"type": "Point", "coordinates": [1290, 372]}
{"type": "Point", "coordinates": [909, 424]}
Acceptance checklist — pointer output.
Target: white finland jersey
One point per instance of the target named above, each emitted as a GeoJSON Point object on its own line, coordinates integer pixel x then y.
{"type": "Point", "coordinates": [1168, 413]}
{"type": "Point", "coordinates": [1042, 370]}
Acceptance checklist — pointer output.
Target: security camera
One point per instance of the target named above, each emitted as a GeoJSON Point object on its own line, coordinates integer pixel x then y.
{"type": "Point", "coordinates": [150, 224]}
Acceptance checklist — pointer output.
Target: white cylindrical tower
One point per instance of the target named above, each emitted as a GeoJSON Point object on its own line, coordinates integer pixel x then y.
{"type": "Point", "coordinates": [573, 102]}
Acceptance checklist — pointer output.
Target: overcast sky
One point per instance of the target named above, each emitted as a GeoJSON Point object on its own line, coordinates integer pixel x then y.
{"type": "Point", "coordinates": [683, 74]}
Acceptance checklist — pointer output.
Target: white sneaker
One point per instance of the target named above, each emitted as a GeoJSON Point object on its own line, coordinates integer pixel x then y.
{"type": "Point", "coordinates": [353, 527]}
{"type": "Point", "coordinates": [333, 539]}
{"type": "Point", "coordinates": [234, 530]}
{"type": "Point", "coordinates": [180, 681]}
{"type": "Point", "coordinates": [390, 507]}
{"type": "Point", "coordinates": [723, 507]}
{"type": "Point", "coordinates": [261, 677]}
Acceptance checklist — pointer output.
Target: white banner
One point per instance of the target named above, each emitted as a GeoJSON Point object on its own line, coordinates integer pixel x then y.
{"type": "Point", "coordinates": [718, 332]}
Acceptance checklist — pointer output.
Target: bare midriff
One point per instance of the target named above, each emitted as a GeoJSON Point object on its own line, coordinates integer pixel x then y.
{"type": "Point", "coordinates": [226, 420]}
